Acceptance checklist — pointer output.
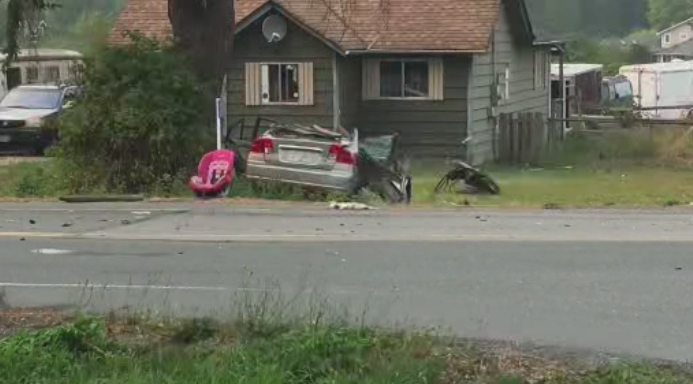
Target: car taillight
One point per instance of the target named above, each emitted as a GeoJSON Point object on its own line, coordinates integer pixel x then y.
{"type": "Point", "coordinates": [341, 155]}
{"type": "Point", "coordinates": [262, 145]}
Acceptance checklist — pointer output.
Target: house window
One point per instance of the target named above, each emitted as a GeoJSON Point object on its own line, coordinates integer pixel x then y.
{"type": "Point", "coordinates": [403, 79]}
{"type": "Point", "coordinates": [540, 69]}
{"type": "Point", "coordinates": [52, 74]}
{"type": "Point", "coordinates": [32, 74]}
{"type": "Point", "coordinates": [279, 84]}
{"type": "Point", "coordinates": [667, 38]}
{"type": "Point", "coordinates": [683, 36]}
{"type": "Point", "coordinates": [410, 79]}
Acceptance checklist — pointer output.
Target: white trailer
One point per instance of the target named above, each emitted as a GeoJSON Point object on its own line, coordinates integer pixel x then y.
{"type": "Point", "coordinates": [40, 66]}
{"type": "Point", "coordinates": [661, 87]}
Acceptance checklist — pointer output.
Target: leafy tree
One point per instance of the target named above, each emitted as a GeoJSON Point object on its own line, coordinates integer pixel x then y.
{"type": "Point", "coordinates": [139, 126]}
{"type": "Point", "coordinates": [595, 18]}
{"type": "Point", "coordinates": [665, 13]}
{"type": "Point", "coordinates": [202, 28]}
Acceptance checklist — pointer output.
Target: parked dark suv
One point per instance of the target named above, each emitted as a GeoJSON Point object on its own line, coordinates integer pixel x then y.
{"type": "Point", "coordinates": [28, 114]}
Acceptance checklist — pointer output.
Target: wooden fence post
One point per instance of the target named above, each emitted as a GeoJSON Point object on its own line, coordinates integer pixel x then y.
{"type": "Point", "coordinates": [516, 137]}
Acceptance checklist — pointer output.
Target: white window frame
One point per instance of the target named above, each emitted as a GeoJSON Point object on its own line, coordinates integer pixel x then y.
{"type": "Point", "coordinates": [402, 62]}
{"type": "Point", "coordinates": [667, 38]}
{"type": "Point", "coordinates": [683, 36]}
{"type": "Point", "coordinates": [264, 83]}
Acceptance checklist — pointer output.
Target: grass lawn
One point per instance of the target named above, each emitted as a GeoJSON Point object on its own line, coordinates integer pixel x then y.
{"type": "Point", "coordinates": [621, 169]}
{"type": "Point", "coordinates": [575, 187]}
{"type": "Point", "coordinates": [135, 351]}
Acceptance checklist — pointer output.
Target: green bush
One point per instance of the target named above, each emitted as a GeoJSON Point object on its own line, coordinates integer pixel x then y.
{"type": "Point", "coordinates": [141, 125]}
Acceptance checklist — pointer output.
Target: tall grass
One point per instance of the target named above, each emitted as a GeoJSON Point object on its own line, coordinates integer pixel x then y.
{"type": "Point", "coordinates": [91, 351]}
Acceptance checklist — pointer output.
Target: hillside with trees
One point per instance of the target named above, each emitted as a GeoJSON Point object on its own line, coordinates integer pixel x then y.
{"type": "Point", "coordinates": [75, 24]}
{"type": "Point", "coordinates": [78, 23]}
{"type": "Point", "coordinates": [605, 18]}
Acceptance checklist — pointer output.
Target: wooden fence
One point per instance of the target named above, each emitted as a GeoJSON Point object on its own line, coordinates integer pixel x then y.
{"type": "Point", "coordinates": [525, 137]}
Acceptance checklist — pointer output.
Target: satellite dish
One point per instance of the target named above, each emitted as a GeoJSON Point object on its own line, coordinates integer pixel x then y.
{"type": "Point", "coordinates": [274, 28]}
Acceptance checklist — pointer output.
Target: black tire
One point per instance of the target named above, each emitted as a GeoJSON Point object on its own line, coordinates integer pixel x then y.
{"type": "Point", "coordinates": [489, 185]}
{"type": "Point", "coordinates": [388, 192]}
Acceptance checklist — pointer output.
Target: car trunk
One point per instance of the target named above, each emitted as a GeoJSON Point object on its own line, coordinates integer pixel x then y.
{"type": "Point", "coordinates": [302, 153]}
{"type": "Point", "coordinates": [311, 148]}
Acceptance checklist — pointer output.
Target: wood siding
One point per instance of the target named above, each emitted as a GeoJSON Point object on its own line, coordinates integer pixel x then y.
{"type": "Point", "coordinates": [511, 51]}
{"type": "Point", "coordinates": [298, 46]}
{"type": "Point", "coordinates": [350, 90]}
{"type": "Point", "coordinates": [430, 128]}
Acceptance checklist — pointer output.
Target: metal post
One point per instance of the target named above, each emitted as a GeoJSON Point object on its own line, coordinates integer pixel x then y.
{"type": "Point", "coordinates": [561, 82]}
{"type": "Point", "coordinates": [218, 108]}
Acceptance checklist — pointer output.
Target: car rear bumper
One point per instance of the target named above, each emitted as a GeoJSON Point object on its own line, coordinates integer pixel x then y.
{"type": "Point", "coordinates": [20, 138]}
{"type": "Point", "coordinates": [342, 181]}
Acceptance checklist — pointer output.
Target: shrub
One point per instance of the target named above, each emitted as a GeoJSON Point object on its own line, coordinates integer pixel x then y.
{"type": "Point", "coordinates": [141, 124]}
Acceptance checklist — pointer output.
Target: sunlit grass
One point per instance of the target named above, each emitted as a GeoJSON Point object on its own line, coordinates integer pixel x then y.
{"type": "Point", "coordinates": [576, 187]}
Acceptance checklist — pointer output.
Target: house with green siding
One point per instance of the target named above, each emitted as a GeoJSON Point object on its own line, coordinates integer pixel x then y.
{"type": "Point", "coordinates": [438, 72]}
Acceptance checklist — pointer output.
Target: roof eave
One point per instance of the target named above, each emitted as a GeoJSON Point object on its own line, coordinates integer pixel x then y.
{"type": "Point", "coordinates": [354, 52]}
{"type": "Point", "coordinates": [270, 5]}
{"type": "Point", "coordinates": [687, 21]}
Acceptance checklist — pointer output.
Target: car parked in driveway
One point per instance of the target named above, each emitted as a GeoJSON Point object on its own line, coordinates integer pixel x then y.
{"type": "Point", "coordinates": [28, 116]}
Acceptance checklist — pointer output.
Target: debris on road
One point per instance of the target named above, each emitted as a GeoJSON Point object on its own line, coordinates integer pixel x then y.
{"type": "Point", "coordinates": [101, 198]}
{"type": "Point", "coordinates": [32, 222]}
{"type": "Point", "coordinates": [552, 206]}
{"type": "Point", "coordinates": [468, 180]}
{"type": "Point", "coordinates": [67, 225]}
{"type": "Point", "coordinates": [50, 251]}
{"type": "Point", "coordinates": [350, 206]}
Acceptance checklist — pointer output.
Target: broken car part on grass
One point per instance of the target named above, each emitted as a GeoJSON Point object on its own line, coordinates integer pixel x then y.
{"type": "Point", "coordinates": [337, 161]}
{"type": "Point", "coordinates": [466, 179]}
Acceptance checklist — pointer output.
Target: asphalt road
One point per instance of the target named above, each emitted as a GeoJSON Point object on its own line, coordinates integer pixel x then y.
{"type": "Point", "coordinates": [612, 281]}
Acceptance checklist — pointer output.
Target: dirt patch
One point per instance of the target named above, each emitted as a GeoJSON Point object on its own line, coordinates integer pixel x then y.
{"type": "Point", "coordinates": [12, 160]}
{"type": "Point", "coordinates": [13, 320]}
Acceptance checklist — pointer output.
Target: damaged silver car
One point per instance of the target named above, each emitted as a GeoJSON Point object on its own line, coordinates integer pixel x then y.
{"type": "Point", "coordinates": [336, 161]}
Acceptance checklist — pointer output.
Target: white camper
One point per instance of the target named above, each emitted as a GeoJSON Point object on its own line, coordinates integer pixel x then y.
{"type": "Point", "coordinates": [39, 66]}
{"type": "Point", "coordinates": [661, 87]}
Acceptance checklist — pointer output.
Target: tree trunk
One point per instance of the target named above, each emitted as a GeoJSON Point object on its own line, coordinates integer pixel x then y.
{"type": "Point", "coordinates": [204, 30]}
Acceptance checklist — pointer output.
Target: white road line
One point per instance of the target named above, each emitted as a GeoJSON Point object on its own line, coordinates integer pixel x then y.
{"type": "Point", "coordinates": [136, 287]}
{"type": "Point", "coordinates": [47, 235]}
{"type": "Point", "coordinates": [131, 287]}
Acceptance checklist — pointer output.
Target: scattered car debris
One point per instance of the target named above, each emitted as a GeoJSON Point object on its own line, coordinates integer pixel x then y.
{"type": "Point", "coordinates": [101, 198]}
{"type": "Point", "coordinates": [467, 180]}
{"type": "Point", "coordinates": [551, 206]}
{"type": "Point", "coordinates": [350, 206]}
{"type": "Point", "coordinates": [50, 251]}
